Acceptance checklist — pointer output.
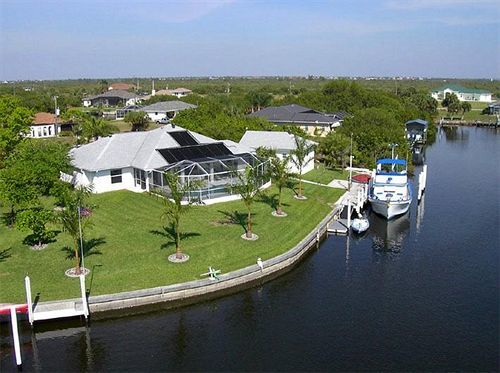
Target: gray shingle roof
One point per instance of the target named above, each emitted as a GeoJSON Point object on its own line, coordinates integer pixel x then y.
{"type": "Point", "coordinates": [295, 114]}
{"type": "Point", "coordinates": [269, 139]}
{"type": "Point", "coordinates": [168, 106]}
{"type": "Point", "coordinates": [131, 149]}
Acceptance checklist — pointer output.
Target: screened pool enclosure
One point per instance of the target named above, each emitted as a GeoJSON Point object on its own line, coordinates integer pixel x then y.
{"type": "Point", "coordinates": [213, 175]}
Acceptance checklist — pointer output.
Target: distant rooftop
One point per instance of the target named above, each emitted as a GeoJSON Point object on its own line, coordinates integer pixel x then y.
{"type": "Point", "coordinates": [44, 118]}
{"type": "Point", "coordinates": [115, 93]}
{"type": "Point", "coordinates": [269, 139]}
{"type": "Point", "coordinates": [296, 114]}
{"type": "Point", "coordinates": [168, 106]}
{"type": "Point", "coordinates": [459, 88]}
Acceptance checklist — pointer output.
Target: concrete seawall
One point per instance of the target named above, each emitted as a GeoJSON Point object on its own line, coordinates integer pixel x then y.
{"type": "Point", "coordinates": [198, 290]}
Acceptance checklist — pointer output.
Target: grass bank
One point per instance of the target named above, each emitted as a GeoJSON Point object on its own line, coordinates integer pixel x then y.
{"type": "Point", "coordinates": [128, 249]}
{"type": "Point", "coordinates": [324, 175]}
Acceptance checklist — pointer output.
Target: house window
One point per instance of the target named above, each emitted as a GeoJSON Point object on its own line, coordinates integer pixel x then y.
{"type": "Point", "coordinates": [116, 176]}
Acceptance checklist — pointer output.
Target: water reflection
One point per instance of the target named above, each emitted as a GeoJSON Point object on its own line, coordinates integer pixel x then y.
{"type": "Point", "coordinates": [388, 235]}
{"type": "Point", "coordinates": [455, 133]}
{"type": "Point", "coordinates": [418, 155]}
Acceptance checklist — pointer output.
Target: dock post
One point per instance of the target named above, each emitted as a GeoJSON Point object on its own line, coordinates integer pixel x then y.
{"type": "Point", "coordinates": [27, 284]}
{"type": "Point", "coordinates": [84, 296]}
{"type": "Point", "coordinates": [15, 335]}
{"type": "Point", "coordinates": [348, 215]}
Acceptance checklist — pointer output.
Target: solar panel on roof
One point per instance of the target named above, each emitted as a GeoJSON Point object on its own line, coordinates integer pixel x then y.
{"type": "Point", "coordinates": [194, 152]}
{"type": "Point", "coordinates": [183, 138]}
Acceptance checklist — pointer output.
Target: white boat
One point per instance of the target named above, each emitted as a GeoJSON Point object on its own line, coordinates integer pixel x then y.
{"type": "Point", "coordinates": [359, 225]}
{"type": "Point", "coordinates": [390, 192]}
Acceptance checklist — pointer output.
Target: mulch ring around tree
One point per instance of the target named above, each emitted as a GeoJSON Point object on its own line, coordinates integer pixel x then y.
{"type": "Point", "coordinates": [300, 198]}
{"type": "Point", "coordinates": [38, 247]}
{"type": "Point", "coordinates": [281, 215]}
{"type": "Point", "coordinates": [72, 272]}
{"type": "Point", "coordinates": [173, 258]}
{"type": "Point", "coordinates": [253, 238]}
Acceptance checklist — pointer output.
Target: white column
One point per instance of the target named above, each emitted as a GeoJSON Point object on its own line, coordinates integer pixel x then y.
{"type": "Point", "coordinates": [27, 284]}
{"type": "Point", "coordinates": [15, 335]}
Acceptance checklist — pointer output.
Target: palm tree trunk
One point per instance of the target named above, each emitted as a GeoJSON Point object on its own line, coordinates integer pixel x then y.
{"type": "Point", "coordinates": [249, 224]}
{"type": "Point", "coordinates": [279, 211]}
{"type": "Point", "coordinates": [300, 184]}
{"type": "Point", "coordinates": [178, 252]}
{"type": "Point", "coordinates": [77, 257]}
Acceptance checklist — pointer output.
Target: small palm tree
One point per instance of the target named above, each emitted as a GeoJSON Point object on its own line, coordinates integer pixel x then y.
{"type": "Point", "coordinates": [74, 218]}
{"type": "Point", "coordinates": [299, 158]}
{"type": "Point", "coordinates": [93, 128]}
{"type": "Point", "coordinates": [247, 187]}
{"type": "Point", "coordinates": [174, 209]}
{"type": "Point", "coordinates": [280, 176]}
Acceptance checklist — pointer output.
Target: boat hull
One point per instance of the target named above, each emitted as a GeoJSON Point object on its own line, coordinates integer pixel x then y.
{"type": "Point", "coordinates": [360, 225]}
{"type": "Point", "coordinates": [389, 209]}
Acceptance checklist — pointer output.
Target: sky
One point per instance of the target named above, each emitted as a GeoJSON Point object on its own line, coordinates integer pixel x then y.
{"type": "Point", "coordinates": [67, 39]}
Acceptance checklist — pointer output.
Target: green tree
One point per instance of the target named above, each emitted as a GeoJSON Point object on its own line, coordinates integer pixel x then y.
{"type": "Point", "coordinates": [299, 157]}
{"type": "Point", "coordinates": [93, 128]}
{"type": "Point", "coordinates": [335, 149]}
{"type": "Point", "coordinates": [280, 176]}
{"type": "Point", "coordinates": [466, 106]}
{"type": "Point", "coordinates": [451, 102]}
{"type": "Point", "coordinates": [138, 119]}
{"type": "Point", "coordinates": [258, 99]}
{"type": "Point", "coordinates": [74, 218]}
{"type": "Point", "coordinates": [174, 208]}
{"type": "Point", "coordinates": [247, 186]}
{"type": "Point", "coordinates": [35, 219]}
{"type": "Point", "coordinates": [15, 123]}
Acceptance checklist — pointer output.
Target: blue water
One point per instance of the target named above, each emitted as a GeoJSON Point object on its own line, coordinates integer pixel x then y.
{"type": "Point", "coordinates": [420, 292]}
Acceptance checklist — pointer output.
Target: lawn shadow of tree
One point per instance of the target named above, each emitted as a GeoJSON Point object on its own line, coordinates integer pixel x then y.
{"type": "Point", "coordinates": [235, 218]}
{"type": "Point", "coordinates": [31, 239]}
{"type": "Point", "coordinates": [168, 232]}
{"type": "Point", "coordinates": [271, 200]}
{"type": "Point", "coordinates": [89, 248]}
{"type": "Point", "coordinates": [8, 219]}
{"type": "Point", "coordinates": [5, 254]}
{"type": "Point", "coordinates": [293, 185]}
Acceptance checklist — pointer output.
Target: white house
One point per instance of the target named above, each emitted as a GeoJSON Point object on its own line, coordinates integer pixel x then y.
{"type": "Point", "coordinates": [44, 125]}
{"type": "Point", "coordinates": [463, 94]}
{"type": "Point", "coordinates": [136, 161]}
{"type": "Point", "coordinates": [165, 109]}
{"type": "Point", "coordinates": [282, 142]}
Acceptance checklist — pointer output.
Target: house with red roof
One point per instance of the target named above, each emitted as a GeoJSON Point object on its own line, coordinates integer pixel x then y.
{"type": "Point", "coordinates": [45, 125]}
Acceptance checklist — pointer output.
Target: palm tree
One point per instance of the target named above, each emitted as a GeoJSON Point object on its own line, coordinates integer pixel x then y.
{"type": "Point", "coordinates": [173, 208]}
{"type": "Point", "coordinates": [247, 187]}
{"type": "Point", "coordinates": [299, 158]}
{"type": "Point", "coordinates": [280, 176]}
{"type": "Point", "coordinates": [74, 218]}
{"type": "Point", "coordinates": [93, 128]}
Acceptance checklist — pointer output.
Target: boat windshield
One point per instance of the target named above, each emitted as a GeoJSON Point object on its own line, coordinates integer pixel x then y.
{"type": "Point", "coordinates": [386, 168]}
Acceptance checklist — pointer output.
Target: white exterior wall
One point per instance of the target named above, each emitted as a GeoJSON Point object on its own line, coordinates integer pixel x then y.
{"type": "Point", "coordinates": [482, 97]}
{"type": "Point", "coordinates": [291, 166]}
{"type": "Point", "coordinates": [101, 180]}
{"type": "Point", "coordinates": [87, 103]}
{"type": "Point", "coordinates": [42, 131]}
{"type": "Point", "coordinates": [155, 116]}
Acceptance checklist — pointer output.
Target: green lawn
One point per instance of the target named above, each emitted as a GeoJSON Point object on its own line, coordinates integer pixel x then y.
{"type": "Point", "coordinates": [323, 175]}
{"type": "Point", "coordinates": [128, 255]}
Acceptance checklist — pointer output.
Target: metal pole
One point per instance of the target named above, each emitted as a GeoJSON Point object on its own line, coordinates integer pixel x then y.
{"type": "Point", "coordinates": [27, 284]}
{"type": "Point", "coordinates": [81, 238]}
{"type": "Point", "coordinates": [84, 296]}
{"type": "Point", "coordinates": [350, 165]}
{"type": "Point", "coordinates": [15, 335]}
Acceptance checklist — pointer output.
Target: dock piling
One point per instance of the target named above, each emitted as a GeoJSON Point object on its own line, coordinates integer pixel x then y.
{"type": "Point", "coordinates": [15, 335]}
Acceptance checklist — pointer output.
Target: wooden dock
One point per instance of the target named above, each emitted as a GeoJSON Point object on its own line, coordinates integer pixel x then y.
{"type": "Point", "coordinates": [338, 227]}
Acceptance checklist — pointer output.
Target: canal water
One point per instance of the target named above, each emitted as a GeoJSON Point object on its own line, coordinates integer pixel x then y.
{"type": "Point", "coordinates": [420, 292]}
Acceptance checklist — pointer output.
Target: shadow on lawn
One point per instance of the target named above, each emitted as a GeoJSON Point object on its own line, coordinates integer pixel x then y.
{"type": "Point", "coordinates": [89, 248]}
{"type": "Point", "coordinates": [50, 237]}
{"type": "Point", "coordinates": [271, 200]}
{"type": "Point", "coordinates": [5, 254]}
{"type": "Point", "coordinates": [168, 232]}
{"type": "Point", "coordinates": [234, 218]}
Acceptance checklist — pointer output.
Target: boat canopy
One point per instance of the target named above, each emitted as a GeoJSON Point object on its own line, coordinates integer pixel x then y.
{"type": "Point", "coordinates": [392, 161]}
{"type": "Point", "coordinates": [416, 123]}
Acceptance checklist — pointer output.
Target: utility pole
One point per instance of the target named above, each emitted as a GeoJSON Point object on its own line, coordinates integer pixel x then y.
{"type": "Point", "coordinates": [350, 165]}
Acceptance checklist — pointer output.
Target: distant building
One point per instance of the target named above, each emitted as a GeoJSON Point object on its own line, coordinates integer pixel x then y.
{"type": "Point", "coordinates": [165, 109]}
{"type": "Point", "coordinates": [44, 125]}
{"type": "Point", "coordinates": [312, 121]}
{"type": "Point", "coordinates": [120, 86]}
{"type": "Point", "coordinates": [178, 92]}
{"type": "Point", "coordinates": [463, 94]}
{"type": "Point", "coordinates": [281, 142]}
{"type": "Point", "coordinates": [112, 98]}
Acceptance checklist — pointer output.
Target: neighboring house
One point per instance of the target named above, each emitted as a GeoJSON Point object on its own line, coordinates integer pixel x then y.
{"type": "Point", "coordinates": [136, 161]}
{"type": "Point", "coordinates": [494, 108]}
{"type": "Point", "coordinates": [120, 86]}
{"type": "Point", "coordinates": [312, 121]}
{"type": "Point", "coordinates": [120, 113]}
{"type": "Point", "coordinates": [416, 130]}
{"type": "Point", "coordinates": [112, 98]}
{"type": "Point", "coordinates": [44, 125]}
{"type": "Point", "coordinates": [282, 142]}
{"type": "Point", "coordinates": [178, 92]}
{"type": "Point", "coordinates": [463, 94]}
{"type": "Point", "coordinates": [165, 109]}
